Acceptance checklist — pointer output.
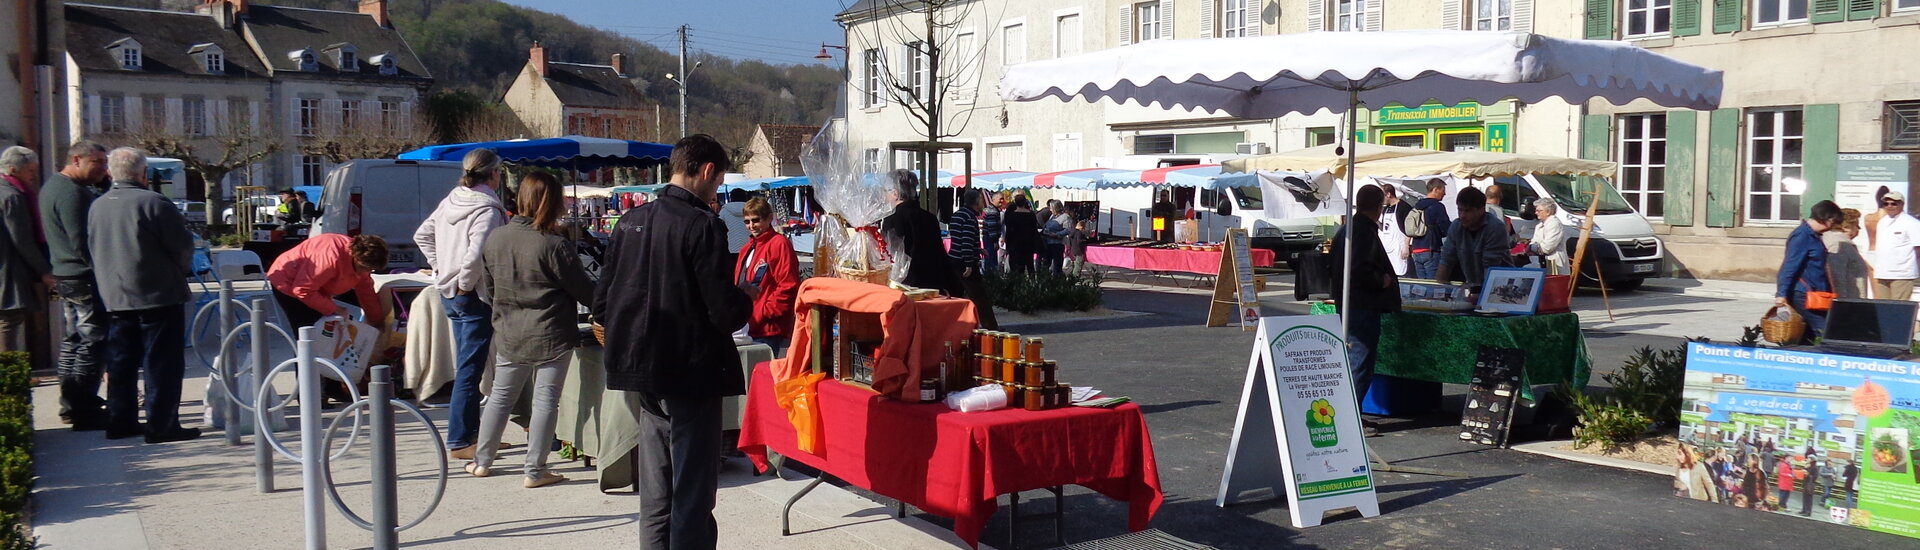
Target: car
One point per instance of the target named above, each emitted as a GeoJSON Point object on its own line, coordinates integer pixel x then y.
{"type": "Point", "coordinates": [264, 208]}
{"type": "Point", "coordinates": [195, 211]}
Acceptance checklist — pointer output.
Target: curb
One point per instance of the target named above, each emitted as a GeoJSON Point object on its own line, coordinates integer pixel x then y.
{"type": "Point", "coordinates": [1546, 448]}
{"type": "Point", "coordinates": [1706, 292]}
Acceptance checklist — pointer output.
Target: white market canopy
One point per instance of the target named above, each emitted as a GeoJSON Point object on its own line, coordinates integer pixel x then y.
{"type": "Point", "coordinates": [1271, 76]}
{"type": "Point", "coordinates": [1324, 157]}
{"type": "Point", "coordinates": [1485, 164]}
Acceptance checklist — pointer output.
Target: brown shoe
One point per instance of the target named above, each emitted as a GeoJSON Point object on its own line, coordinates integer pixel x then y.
{"type": "Point", "coordinates": [463, 453]}
{"type": "Point", "coordinates": [545, 479]}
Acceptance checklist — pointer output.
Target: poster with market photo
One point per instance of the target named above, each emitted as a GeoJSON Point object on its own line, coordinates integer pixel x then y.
{"type": "Point", "coordinates": [1825, 437]}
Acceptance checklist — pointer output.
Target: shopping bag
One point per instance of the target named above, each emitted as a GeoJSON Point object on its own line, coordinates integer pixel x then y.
{"type": "Point", "coordinates": [214, 414]}
{"type": "Point", "coordinates": [799, 396]}
{"type": "Point", "coordinates": [348, 344]}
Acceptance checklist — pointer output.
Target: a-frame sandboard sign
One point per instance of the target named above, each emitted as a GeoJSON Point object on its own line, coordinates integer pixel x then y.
{"type": "Point", "coordinates": [1234, 295]}
{"type": "Point", "coordinates": [1298, 411]}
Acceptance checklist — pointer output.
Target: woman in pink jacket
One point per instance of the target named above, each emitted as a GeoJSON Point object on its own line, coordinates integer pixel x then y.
{"type": "Point", "coordinates": [306, 279]}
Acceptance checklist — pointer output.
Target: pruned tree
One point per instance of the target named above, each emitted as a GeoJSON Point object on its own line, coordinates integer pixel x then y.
{"type": "Point", "coordinates": [235, 145]}
{"type": "Point", "coordinates": [939, 68]}
{"type": "Point", "coordinates": [368, 137]}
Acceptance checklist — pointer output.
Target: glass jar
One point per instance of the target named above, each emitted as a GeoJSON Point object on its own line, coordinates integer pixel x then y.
{"type": "Point", "coordinates": [1051, 370]}
{"type": "Point", "coordinates": [1009, 371]}
{"type": "Point", "coordinates": [1009, 345]}
{"type": "Point", "coordinates": [1032, 398]}
{"type": "Point", "coordinates": [1033, 374]}
{"type": "Point", "coordinates": [1034, 348]}
{"type": "Point", "coordinates": [988, 367]}
{"type": "Point", "coordinates": [1012, 392]}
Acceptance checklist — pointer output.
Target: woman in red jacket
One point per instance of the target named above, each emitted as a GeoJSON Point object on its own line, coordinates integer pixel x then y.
{"type": "Point", "coordinates": [306, 278]}
{"type": "Point", "coordinates": [770, 274]}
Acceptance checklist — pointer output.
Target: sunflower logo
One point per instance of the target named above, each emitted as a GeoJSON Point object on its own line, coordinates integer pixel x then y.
{"type": "Point", "coordinates": [1322, 412]}
{"type": "Point", "coordinates": [1320, 429]}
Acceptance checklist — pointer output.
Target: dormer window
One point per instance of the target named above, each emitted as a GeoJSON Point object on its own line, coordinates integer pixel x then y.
{"type": "Point", "coordinates": [385, 63]}
{"type": "Point", "coordinates": [127, 51]}
{"type": "Point", "coordinates": [345, 57]}
{"type": "Point", "coordinates": [306, 60]}
{"type": "Point", "coordinates": [210, 57]}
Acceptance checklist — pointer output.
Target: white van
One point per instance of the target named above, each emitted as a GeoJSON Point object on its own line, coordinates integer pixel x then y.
{"type": "Point", "coordinates": [388, 198]}
{"type": "Point", "coordinates": [1217, 210]}
{"type": "Point", "coordinates": [1623, 249]}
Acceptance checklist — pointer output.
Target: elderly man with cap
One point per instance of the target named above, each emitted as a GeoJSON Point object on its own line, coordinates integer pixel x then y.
{"type": "Point", "coordinates": [1894, 264]}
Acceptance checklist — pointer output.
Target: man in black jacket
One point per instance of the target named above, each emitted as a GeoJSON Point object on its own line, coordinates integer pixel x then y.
{"type": "Point", "coordinates": [913, 237]}
{"type": "Point", "coordinates": [1376, 290]}
{"type": "Point", "coordinates": [669, 311]}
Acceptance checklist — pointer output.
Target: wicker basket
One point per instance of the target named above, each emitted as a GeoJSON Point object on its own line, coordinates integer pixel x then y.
{"type": "Point", "coordinates": [600, 334]}
{"type": "Point", "coordinates": [1785, 333]}
{"type": "Point", "coordinates": [875, 276]}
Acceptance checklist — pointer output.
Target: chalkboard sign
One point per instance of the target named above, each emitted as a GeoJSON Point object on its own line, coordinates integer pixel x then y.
{"type": "Point", "coordinates": [1492, 395]}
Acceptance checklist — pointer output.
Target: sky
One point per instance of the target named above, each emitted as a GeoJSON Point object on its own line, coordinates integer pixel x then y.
{"type": "Point", "coordinates": [774, 31]}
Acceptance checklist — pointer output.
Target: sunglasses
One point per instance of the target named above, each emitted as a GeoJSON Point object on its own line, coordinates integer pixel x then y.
{"type": "Point", "coordinates": [751, 220]}
{"type": "Point", "coordinates": [1890, 203]}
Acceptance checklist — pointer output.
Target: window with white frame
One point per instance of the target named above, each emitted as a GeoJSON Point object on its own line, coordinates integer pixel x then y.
{"type": "Point", "coordinates": [1642, 152]}
{"type": "Point", "coordinates": [1013, 44]}
{"type": "Point", "coordinates": [870, 161]}
{"type": "Point", "coordinates": [349, 114]}
{"type": "Point", "coordinates": [1146, 21]}
{"type": "Point", "coordinates": [113, 114]}
{"type": "Point", "coordinates": [1899, 5]}
{"type": "Point", "coordinates": [916, 69]}
{"type": "Point", "coordinates": [1773, 168]}
{"type": "Point", "coordinates": [1648, 17]}
{"type": "Point", "coordinates": [1776, 12]}
{"type": "Point", "coordinates": [312, 169]}
{"type": "Point", "coordinates": [193, 116]}
{"type": "Point", "coordinates": [1066, 35]}
{"type": "Point", "coordinates": [130, 57]}
{"type": "Point", "coordinates": [963, 70]}
{"type": "Point", "coordinates": [1493, 15]}
{"type": "Point", "coordinates": [153, 113]}
{"type": "Point", "coordinates": [1233, 18]}
{"type": "Point", "coordinates": [876, 68]}
{"type": "Point", "coordinates": [349, 61]}
{"type": "Point", "coordinates": [216, 62]}
{"type": "Point", "coordinates": [1350, 15]}
{"type": "Point", "coordinates": [309, 116]}
{"type": "Point", "coordinates": [390, 116]}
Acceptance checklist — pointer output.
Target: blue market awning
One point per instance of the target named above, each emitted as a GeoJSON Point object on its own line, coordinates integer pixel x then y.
{"type": "Point", "coordinates": [573, 152]}
{"type": "Point", "coordinates": [1205, 176]}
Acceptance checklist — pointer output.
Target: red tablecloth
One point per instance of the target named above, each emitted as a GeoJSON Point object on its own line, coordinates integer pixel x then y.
{"type": "Point", "coordinates": [1155, 259]}
{"type": "Point", "coordinates": [956, 465]}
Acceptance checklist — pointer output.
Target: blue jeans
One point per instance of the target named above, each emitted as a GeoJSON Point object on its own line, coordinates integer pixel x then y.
{"type": "Point", "coordinates": [991, 263]}
{"type": "Point", "coordinates": [1363, 340]}
{"type": "Point", "coordinates": [80, 349]}
{"type": "Point", "coordinates": [1816, 320]}
{"type": "Point", "coordinates": [144, 346]}
{"type": "Point", "coordinates": [1426, 265]}
{"type": "Point", "coordinates": [472, 337]}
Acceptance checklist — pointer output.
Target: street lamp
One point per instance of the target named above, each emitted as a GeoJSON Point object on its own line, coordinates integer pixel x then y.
{"type": "Point", "coordinates": [824, 56]}
{"type": "Point", "coordinates": [685, 76]}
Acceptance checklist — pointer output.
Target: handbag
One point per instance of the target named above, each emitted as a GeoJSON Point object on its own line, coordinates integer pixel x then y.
{"type": "Point", "coordinates": [1820, 300]}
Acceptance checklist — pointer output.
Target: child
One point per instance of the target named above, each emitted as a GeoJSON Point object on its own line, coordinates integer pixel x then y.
{"type": "Point", "coordinates": [1076, 245]}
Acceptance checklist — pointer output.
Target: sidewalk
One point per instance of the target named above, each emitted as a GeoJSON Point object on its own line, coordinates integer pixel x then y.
{"type": "Point", "coordinates": [1711, 288]}
{"type": "Point", "coordinates": [126, 495]}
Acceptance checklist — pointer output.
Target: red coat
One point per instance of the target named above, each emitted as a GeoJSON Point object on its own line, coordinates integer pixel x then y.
{"type": "Point", "coordinates": [320, 268]}
{"type": "Point", "coordinates": [779, 285]}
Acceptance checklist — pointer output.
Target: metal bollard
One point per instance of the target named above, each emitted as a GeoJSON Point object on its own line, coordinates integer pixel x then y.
{"type": "Point", "coordinates": [232, 409]}
{"type": "Point", "coordinates": [312, 451]}
{"type": "Point", "coordinates": [386, 506]}
{"type": "Point", "coordinates": [262, 450]}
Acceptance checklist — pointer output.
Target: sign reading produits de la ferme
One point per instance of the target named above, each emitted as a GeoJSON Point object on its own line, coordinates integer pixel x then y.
{"type": "Point", "coordinates": [1429, 114]}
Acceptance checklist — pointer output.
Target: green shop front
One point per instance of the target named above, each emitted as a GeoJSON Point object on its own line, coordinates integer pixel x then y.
{"type": "Point", "coordinates": [1464, 127]}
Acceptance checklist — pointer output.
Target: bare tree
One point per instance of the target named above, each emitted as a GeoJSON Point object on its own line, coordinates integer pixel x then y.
{"type": "Point", "coordinates": [368, 137]}
{"type": "Point", "coordinates": [238, 144]}
{"type": "Point", "coordinates": [940, 67]}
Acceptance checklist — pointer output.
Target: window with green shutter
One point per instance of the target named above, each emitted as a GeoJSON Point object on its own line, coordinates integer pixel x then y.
{"type": "Point", "coordinates": [1822, 157]}
{"type": "Point", "coordinates": [1686, 17]}
{"type": "Point", "coordinates": [1862, 9]}
{"type": "Point", "coordinates": [1599, 20]}
{"type": "Point", "coordinates": [1726, 16]}
{"type": "Point", "coordinates": [1723, 167]}
{"type": "Point", "coordinates": [1828, 11]}
{"type": "Point", "coordinates": [1683, 133]}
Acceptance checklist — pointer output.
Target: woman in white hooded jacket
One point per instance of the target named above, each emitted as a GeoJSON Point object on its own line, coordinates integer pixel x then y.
{"type": "Point", "coordinates": [450, 239]}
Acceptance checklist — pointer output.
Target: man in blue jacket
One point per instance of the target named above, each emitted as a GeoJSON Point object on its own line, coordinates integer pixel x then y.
{"type": "Point", "coordinates": [1426, 248]}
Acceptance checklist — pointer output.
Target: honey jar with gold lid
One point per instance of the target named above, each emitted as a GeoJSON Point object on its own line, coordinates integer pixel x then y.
{"type": "Point", "coordinates": [1034, 348]}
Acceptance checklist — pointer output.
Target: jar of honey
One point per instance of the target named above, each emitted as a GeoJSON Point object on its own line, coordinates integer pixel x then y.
{"type": "Point", "coordinates": [1012, 393]}
{"type": "Point", "coordinates": [1009, 345]}
{"type": "Point", "coordinates": [1051, 370]}
{"type": "Point", "coordinates": [1034, 348]}
{"type": "Point", "coordinates": [980, 340]}
{"type": "Point", "coordinates": [1009, 371]}
{"type": "Point", "coordinates": [1032, 398]}
{"type": "Point", "coordinates": [1033, 374]}
{"type": "Point", "coordinates": [987, 367]}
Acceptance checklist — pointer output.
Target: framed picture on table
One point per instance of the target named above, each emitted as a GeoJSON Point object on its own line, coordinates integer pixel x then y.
{"type": "Point", "coordinates": [1511, 290]}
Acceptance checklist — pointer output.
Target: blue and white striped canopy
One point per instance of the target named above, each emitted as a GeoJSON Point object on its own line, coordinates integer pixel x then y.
{"type": "Point", "coordinates": [1205, 176]}
{"type": "Point", "coordinates": [579, 152]}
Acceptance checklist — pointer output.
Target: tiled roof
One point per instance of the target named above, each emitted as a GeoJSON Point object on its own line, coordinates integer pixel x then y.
{"type": "Point", "coordinates": [581, 85]}
{"type": "Point", "coordinates": [165, 39]}
{"type": "Point", "coordinates": [786, 139]}
{"type": "Point", "coordinates": [279, 30]}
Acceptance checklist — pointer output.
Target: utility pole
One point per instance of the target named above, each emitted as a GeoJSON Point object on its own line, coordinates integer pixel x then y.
{"type": "Point", "coordinates": [683, 81]}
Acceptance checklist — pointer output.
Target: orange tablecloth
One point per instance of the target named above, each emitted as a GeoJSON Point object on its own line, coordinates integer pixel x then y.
{"type": "Point", "coordinates": [1155, 259]}
{"type": "Point", "coordinates": [956, 465]}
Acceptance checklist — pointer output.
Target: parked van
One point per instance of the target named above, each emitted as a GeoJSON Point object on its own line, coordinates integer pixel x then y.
{"type": "Point", "coordinates": [388, 198]}
{"type": "Point", "coordinates": [1217, 210]}
{"type": "Point", "coordinates": [1623, 249]}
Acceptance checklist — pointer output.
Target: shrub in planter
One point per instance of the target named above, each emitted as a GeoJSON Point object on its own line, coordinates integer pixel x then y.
{"type": "Point", "coordinates": [1604, 422]}
{"type": "Point", "coordinates": [1650, 383]}
{"type": "Point", "coordinates": [1028, 294]}
{"type": "Point", "coordinates": [16, 448]}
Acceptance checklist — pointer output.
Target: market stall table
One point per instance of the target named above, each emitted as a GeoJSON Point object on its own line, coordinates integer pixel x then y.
{"type": "Point", "coordinates": [1163, 260]}
{"type": "Point", "coordinates": [1442, 348]}
{"type": "Point", "coordinates": [956, 465]}
{"type": "Point", "coordinates": [604, 424]}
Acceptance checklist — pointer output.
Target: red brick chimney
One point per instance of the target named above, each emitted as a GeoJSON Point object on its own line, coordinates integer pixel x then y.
{"type": "Point", "coordinates": [377, 9]}
{"type": "Point", "coordinates": [226, 12]}
{"type": "Point", "coordinates": [537, 55]}
{"type": "Point", "coordinates": [620, 64]}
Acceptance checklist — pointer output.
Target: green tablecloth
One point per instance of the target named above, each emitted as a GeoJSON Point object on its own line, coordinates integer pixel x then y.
{"type": "Point", "coordinates": [1443, 348]}
{"type": "Point", "coordinates": [604, 423]}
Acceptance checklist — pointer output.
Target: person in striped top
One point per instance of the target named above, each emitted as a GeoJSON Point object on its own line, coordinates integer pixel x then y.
{"type": "Point", "coordinates": [963, 231]}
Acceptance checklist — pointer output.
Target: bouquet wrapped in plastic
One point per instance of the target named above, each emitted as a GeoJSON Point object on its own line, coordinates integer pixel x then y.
{"type": "Point", "coordinates": [848, 236]}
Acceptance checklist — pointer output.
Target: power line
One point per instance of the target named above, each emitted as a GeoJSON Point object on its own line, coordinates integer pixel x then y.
{"type": "Point", "coordinates": [756, 37]}
{"type": "Point", "coordinates": [766, 51]}
{"type": "Point", "coordinates": [810, 45]}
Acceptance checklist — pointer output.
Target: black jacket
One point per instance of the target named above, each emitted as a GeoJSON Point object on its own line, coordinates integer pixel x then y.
{"type": "Point", "coordinates": [1022, 233]}
{"type": "Point", "coordinates": [667, 303]}
{"type": "Point", "coordinates": [1375, 287]}
{"type": "Point", "coordinates": [914, 233]}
